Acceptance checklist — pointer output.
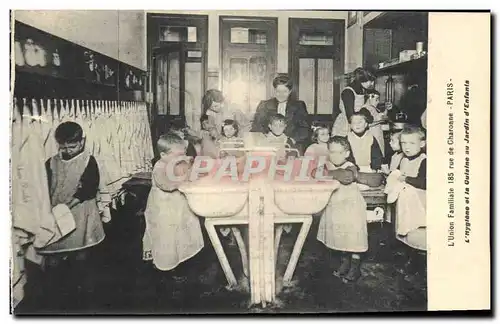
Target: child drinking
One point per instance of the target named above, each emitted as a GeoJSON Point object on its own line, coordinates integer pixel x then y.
{"type": "Point", "coordinates": [73, 177]}
{"type": "Point", "coordinates": [173, 232]}
{"type": "Point", "coordinates": [370, 108]}
{"type": "Point", "coordinates": [343, 225]}
{"type": "Point", "coordinates": [407, 184]}
{"type": "Point", "coordinates": [365, 149]}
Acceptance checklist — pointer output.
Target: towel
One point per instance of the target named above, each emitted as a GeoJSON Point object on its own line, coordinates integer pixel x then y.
{"type": "Point", "coordinates": [394, 186]}
{"type": "Point", "coordinates": [55, 226]}
{"type": "Point", "coordinates": [64, 219]}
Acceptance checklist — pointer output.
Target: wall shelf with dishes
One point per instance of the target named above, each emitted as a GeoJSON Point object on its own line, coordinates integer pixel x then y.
{"type": "Point", "coordinates": [45, 64]}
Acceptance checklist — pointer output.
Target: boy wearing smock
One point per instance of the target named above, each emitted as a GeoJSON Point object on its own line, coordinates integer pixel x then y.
{"type": "Point", "coordinates": [407, 186]}
{"type": "Point", "coordinates": [173, 232]}
{"type": "Point", "coordinates": [343, 224]}
{"type": "Point", "coordinates": [73, 179]}
{"type": "Point", "coordinates": [366, 151]}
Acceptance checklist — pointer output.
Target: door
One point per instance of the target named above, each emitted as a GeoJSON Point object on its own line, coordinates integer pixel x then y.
{"type": "Point", "coordinates": [248, 61]}
{"type": "Point", "coordinates": [168, 88]}
{"type": "Point", "coordinates": [316, 64]}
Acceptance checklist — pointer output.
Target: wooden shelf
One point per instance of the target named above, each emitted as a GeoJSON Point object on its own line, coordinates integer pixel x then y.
{"type": "Point", "coordinates": [404, 67]}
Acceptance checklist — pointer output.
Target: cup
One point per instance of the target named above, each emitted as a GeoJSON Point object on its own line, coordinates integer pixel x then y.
{"type": "Point", "coordinates": [420, 47]}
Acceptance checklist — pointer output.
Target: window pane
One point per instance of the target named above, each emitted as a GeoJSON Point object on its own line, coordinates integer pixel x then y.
{"type": "Point", "coordinates": [178, 34]}
{"type": "Point", "coordinates": [193, 95]}
{"type": "Point", "coordinates": [315, 38]}
{"type": "Point", "coordinates": [258, 83]}
{"type": "Point", "coordinates": [238, 84]}
{"type": "Point", "coordinates": [174, 83]}
{"type": "Point", "coordinates": [161, 85]}
{"type": "Point", "coordinates": [325, 86]}
{"type": "Point", "coordinates": [194, 54]}
{"type": "Point", "coordinates": [241, 35]}
{"type": "Point", "coordinates": [306, 83]}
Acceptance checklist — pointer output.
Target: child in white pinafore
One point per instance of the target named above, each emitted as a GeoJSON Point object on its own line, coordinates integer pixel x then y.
{"type": "Point", "coordinates": [343, 225]}
{"type": "Point", "coordinates": [407, 184]}
{"type": "Point", "coordinates": [173, 231]}
{"type": "Point", "coordinates": [365, 149]}
{"type": "Point", "coordinates": [393, 163]}
{"type": "Point", "coordinates": [321, 136]}
{"type": "Point", "coordinates": [372, 100]}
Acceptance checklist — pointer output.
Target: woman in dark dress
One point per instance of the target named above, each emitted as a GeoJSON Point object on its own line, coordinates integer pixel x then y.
{"type": "Point", "coordinates": [298, 124]}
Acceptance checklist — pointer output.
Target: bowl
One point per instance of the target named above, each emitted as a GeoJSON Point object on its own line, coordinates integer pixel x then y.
{"type": "Point", "coordinates": [216, 199]}
{"type": "Point", "coordinates": [303, 198]}
{"type": "Point", "coordinates": [373, 180]}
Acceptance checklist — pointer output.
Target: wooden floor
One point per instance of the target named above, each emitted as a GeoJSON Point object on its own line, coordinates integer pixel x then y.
{"type": "Point", "coordinates": [124, 284]}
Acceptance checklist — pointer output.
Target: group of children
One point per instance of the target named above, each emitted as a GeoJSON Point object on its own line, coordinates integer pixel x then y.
{"type": "Point", "coordinates": [343, 224]}
{"type": "Point", "coordinates": [173, 232]}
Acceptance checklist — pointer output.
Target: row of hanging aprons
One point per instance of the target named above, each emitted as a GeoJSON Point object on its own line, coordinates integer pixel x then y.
{"type": "Point", "coordinates": [117, 134]}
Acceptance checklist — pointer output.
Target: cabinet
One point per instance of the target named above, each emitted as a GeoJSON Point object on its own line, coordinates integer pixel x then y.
{"type": "Point", "coordinates": [384, 37]}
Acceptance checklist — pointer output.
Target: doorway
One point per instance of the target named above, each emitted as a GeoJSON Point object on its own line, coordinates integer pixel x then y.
{"type": "Point", "coordinates": [248, 60]}
{"type": "Point", "coordinates": [177, 50]}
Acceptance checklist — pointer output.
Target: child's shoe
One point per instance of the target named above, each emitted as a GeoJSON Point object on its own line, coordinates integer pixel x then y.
{"type": "Point", "coordinates": [345, 265]}
{"type": "Point", "coordinates": [354, 272]}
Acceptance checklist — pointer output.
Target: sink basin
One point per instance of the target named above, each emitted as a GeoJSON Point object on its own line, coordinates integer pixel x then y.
{"type": "Point", "coordinates": [303, 198]}
{"type": "Point", "coordinates": [208, 198]}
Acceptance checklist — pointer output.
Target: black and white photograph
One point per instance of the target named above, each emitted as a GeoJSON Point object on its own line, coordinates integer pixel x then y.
{"type": "Point", "coordinates": [158, 161]}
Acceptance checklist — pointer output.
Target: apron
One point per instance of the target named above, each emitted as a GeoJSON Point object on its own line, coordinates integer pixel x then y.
{"type": "Point", "coordinates": [376, 130]}
{"type": "Point", "coordinates": [173, 232]}
{"type": "Point", "coordinates": [361, 148]}
{"type": "Point", "coordinates": [65, 181]}
{"type": "Point", "coordinates": [341, 124]}
{"type": "Point", "coordinates": [411, 208]}
{"type": "Point", "coordinates": [343, 225]}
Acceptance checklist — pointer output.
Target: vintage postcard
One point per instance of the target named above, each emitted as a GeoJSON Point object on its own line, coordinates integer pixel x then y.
{"type": "Point", "coordinates": [239, 162]}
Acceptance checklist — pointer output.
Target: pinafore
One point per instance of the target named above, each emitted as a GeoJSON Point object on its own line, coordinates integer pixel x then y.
{"type": "Point", "coordinates": [66, 175]}
{"type": "Point", "coordinates": [341, 124]}
{"type": "Point", "coordinates": [343, 225]}
{"type": "Point", "coordinates": [376, 130]}
{"type": "Point", "coordinates": [411, 207]}
{"type": "Point", "coordinates": [173, 231]}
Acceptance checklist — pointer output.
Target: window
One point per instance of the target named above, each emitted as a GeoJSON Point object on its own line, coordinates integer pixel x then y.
{"type": "Point", "coordinates": [241, 35]}
{"type": "Point", "coordinates": [316, 63]}
{"type": "Point", "coordinates": [315, 39]}
{"type": "Point", "coordinates": [178, 34]}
